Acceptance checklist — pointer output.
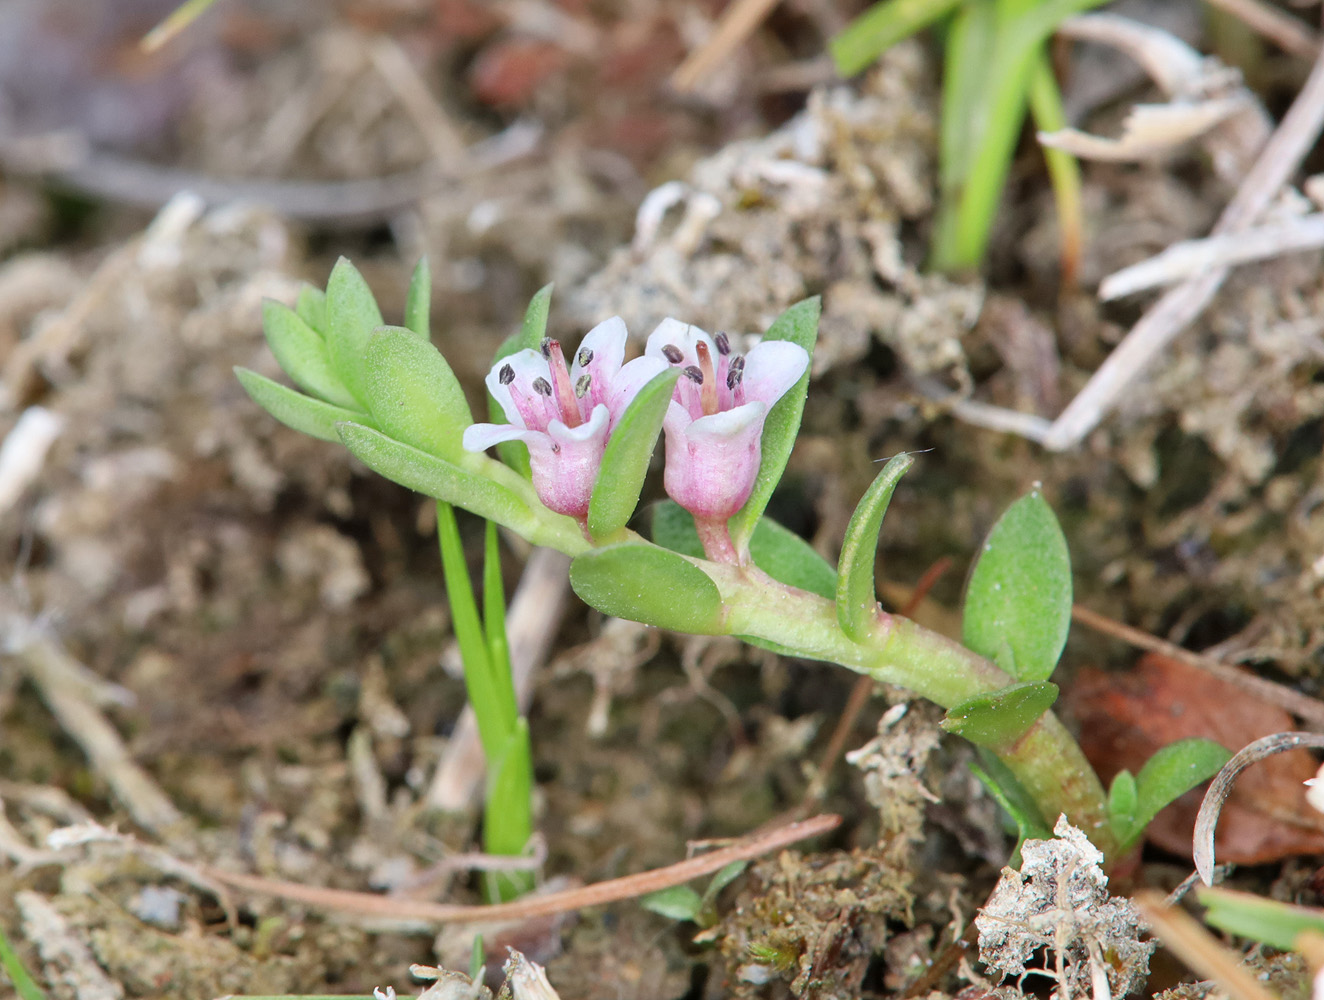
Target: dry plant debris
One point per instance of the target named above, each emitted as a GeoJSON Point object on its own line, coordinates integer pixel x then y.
{"type": "Point", "coordinates": [1059, 903]}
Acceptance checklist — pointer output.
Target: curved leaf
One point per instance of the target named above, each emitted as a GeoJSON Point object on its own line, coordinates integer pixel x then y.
{"type": "Point", "coordinates": [413, 394]}
{"type": "Point", "coordinates": [1018, 601]}
{"type": "Point", "coordinates": [351, 316]}
{"type": "Point", "coordinates": [294, 409]}
{"type": "Point", "coordinates": [1171, 773]}
{"type": "Point", "coordinates": [799, 325]}
{"type": "Point", "coordinates": [628, 454]}
{"type": "Point", "coordinates": [418, 301]}
{"type": "Point", "coordinates": [999, 718]}
{"type": "Point", "coordinates": [434, 477]}
{"type": "Point", "coordinates": [649, 584]}
{"type": "Point", "coordinates": [311, 307]}
{"type": "Point", "coordinates": [1122, 803]}
{"type": "Point", "coordinates": [301, 353]}
{"type": "Point", "coordinates": [856, 592]}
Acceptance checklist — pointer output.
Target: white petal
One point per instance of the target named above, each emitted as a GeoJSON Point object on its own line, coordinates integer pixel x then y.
{"type": "Point", "coordinates": [594, 426]}
{"type": "Point", "coordinates": [526, 366]}
{"type": "Point", "coordinates": [771, 368]}
{"type": "Point", "coordinates": [607, 342]}
{"type": "Point", "coordinates": [731, 423]}
{"type": "Point", "coordinates": [681, 335]}
{"type": "Point", "coordinates": [480, 437]}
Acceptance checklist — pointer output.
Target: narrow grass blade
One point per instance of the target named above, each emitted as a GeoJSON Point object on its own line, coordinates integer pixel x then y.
{"type": "Point", "coordinates": [879, 28]}
{"type": "Point", "coordinates": [18, 973]}
{"type": "Point", "coordinates": [494, 625]}
{"type": "Point", "coordinates": [508, 816]}
{"type": "Point", "coordinates": [1063, 168]}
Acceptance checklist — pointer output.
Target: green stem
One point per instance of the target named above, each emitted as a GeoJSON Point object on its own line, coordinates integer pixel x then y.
{"type": "Point", "coordinates": [1047, 761]}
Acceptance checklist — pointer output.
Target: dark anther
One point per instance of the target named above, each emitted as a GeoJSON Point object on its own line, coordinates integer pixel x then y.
{"type": "Point", "coordinates": [733, 377]}
{"type": "Point", "coordinates": [506, 375]}
{"type": "Point", "coordinates": [546, 347]}
{"type": "Point", "coordinates": [582, 384]}
{"type": "Point", "coordinates": [585, 357]}
{"type": "Point", "coordinates": [738, 363]}
{"type": "Point", "coordinates": [723, 344]}
{"type": "Point", "coordinates": [673, 354]}
{"type": "Point", "coordinates": [542, 387]}
{"type": "Point", "coordinates": [694, 375]}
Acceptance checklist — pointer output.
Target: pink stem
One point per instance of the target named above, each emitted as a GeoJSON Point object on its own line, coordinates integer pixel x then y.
{"type": "Point", "coordinates": [716, 539]}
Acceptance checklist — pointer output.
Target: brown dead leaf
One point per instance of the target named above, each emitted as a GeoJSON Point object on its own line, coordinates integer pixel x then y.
{"type": "Point", "coordinates": [1125, 718]}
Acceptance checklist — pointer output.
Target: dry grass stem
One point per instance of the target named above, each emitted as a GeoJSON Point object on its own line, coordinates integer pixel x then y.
{"type": "Point", "coordinates": [737, 23]}
{"type": "Point", "coordinates": [1183, 935]}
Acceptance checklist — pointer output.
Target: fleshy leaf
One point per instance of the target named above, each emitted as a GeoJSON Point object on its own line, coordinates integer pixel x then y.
{"type": "Point", "coordinates": [1246, 915]}
{"type": "Point", "coordinates": [293, 409]}
{"type": "Point", "coordinates": [311, 307]}
{"type": "Point", "coordinates": [1122, 803]}
{"type": "Point", "coordinates": [435, 477]}
{"type": "Point", "coordinates": [413, 394]}
{"type": "Point", "coordinates": [1018, 600]}
{"type": "Point", "coordinates": [648, 584]}
{"type": "Point", "coordinates": [778, 551]}
{"type": "Point", "coordinates": [516, 453]}
{"type": "Point", "coordinates": [879, 28]}
{"type": "Point", "coordinates": [799, 325]}
{"type": "Point", "coordinates": [1171, 773]}
{"type": "Point", "coordinates": [626, 459]}
{"type": "Point", "coordinates": [856, 591]}
{"type": "Point", "coordinates": [1008, 792]}
{"type": "Point", "coordinates": [301, 353]}
{"type": "Point", "coordinates": [999, 718]}
{"type": "Point", "coordinates": [418, 301]}
{"type": "Point", "coordinates": [351, 316]}
{"type": "Point", "coordinates": [679, 902]}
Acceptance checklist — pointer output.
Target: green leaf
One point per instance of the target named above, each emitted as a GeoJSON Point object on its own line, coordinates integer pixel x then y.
{"type": "Point", "coordinates": [789, 559]}
{"type": "Point", "coordinates": [1122, 804]}
{"type": "Point", "coordinates": [351, 316]}
{"type": "Point", "coordinates": [413, 394]}
{"type": "Point", "coordinates": [626, 459]}
{"type": "Point", "coordinates": [434, 477]}
{"type": "Point", "coordinates": [516, 453]}
{"type": "Point", "coordinates": [724, 877]}
{"type": "Point", "coordinates": [23, 983]}
{"type": "Point", "coordinates": [645, 583]}
{"type": "Point", "coordinates": [494, 624]}
{"type": "Point", "coordinates": [778, 551]}
{"type": "Point", "coordinates": [679, 902]}
{"type": "Point", "coordinates": [999, 718]}
{"type": "Point", "coordinates": [857, 589]}
{"type": "Point", "coordinates": [1018, 600]}
{"type": "Point", "coordinates": [1009, 793]}
{"type": "Point", "coordinates": [1276, 924]}
{"type": "Point", "coordinates": [294, 409]}
{"type": "Point", "coordinates": [311, 307]}
{"type": "Point", "coordinates": [418, 301]}
{"type": "Point", "coordinates": [879, 28]}
{"type": "Point", "coordinates": [508, 813]}
{"type": "Point", "coordinates": [301, 352]}
{"type": "Point", "coordinates": [799, 325]}
{"type": "Point", "coordinates": [1171, 773]}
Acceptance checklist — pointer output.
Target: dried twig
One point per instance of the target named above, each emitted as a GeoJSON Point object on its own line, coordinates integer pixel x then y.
{"type": "Point", "coordinates": [1301, 705]}
{"type": "Point", "coordinates": [1170, 314]}
{"type": "Point", "coordinates": [737, 23]}
{"type": "Point", "coordinates": [444, 139]}
{"type": "Point", "coordinates": [610, 891]}
{"type": "Point", "coordinates": [1221, 787]}
{"type": "Point", "coordinates": [1200, 950]}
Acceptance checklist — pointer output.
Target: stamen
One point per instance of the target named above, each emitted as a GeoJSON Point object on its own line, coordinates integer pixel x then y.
{"type": "Point", "coordinates": [546, 347]}
{"type": "Point", "coordinates": [585, 357]}
{"type": "Point", "coordinates": [738, 362]}
{"type": "Point", "coordinates": [694, 375]}
{"type": "Point", "coordinates": [723, 344]}
{"type": "Point", "coordinates": [708, 397]}
{"type": "Point", "coordinates": [542, 387]}
{"type": "Point", "coordinates": [673, 354]}
{"type": "Point", "coordinates": [565, 392]}
{"type": "Point", "coordinates": [506, 375]}
{"type": "Point", "coordinates": [582, 384]}
{"type": "Point", "coordinates": [733, 377]}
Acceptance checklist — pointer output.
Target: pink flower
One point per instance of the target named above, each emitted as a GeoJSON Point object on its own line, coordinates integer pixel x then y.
{"type": "Point", "coordinates": [714, 424]}
{"type": "Point", "coordinates": [564, 414]}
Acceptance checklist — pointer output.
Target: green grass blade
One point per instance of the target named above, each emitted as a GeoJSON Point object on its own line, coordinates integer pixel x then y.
{"type": "Point", "coordinates": [18, 972]}
{"type": "Point", "coordinates": [1063, 168]}
{"type": "Point", "coordinates": [483, 696]}
{"type": "Point", "coordinates": [880, 27]}
{"type": "Point", "coordinates": [508, 816]}
{"type": "Point", "coordinates": [494, 625]}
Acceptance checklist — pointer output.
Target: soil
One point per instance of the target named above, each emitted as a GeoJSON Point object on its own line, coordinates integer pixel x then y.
{"type": "Point", "coordinates": [262, 620]}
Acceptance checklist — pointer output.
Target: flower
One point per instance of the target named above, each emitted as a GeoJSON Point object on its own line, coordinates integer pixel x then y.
{"type": "Point", "coordinates": [564, 414]}
{"type": "Point", "coordinates": [714, 423]}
